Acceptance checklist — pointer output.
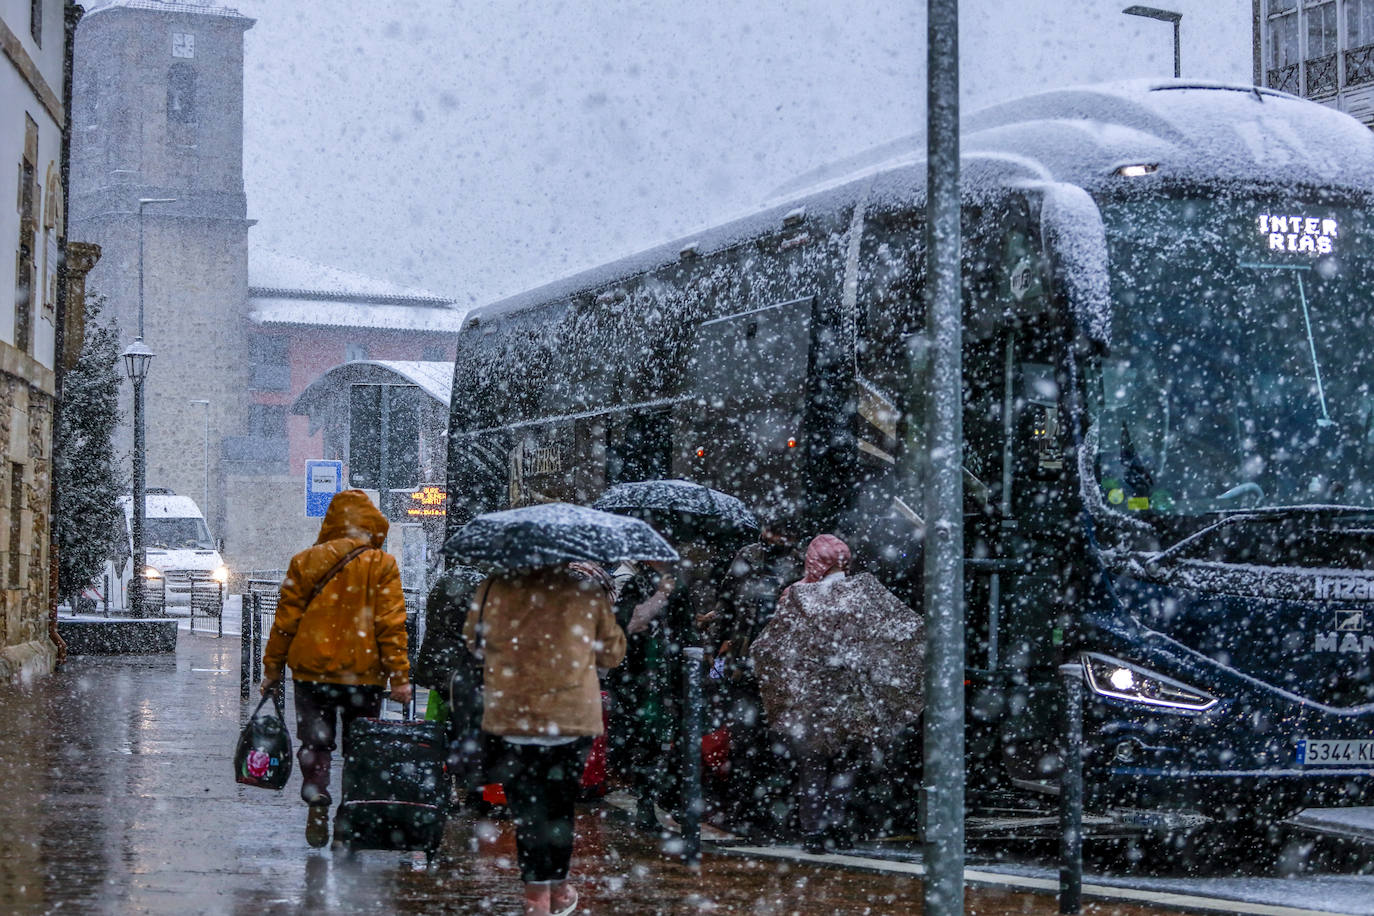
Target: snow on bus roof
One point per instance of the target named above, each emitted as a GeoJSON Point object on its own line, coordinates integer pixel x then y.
{"type": "Point", "coordinates": [1188, 130]}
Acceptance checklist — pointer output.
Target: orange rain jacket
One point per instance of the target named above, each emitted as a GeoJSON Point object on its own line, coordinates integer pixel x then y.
{"type": "Point", "coordinates": [355, 631]}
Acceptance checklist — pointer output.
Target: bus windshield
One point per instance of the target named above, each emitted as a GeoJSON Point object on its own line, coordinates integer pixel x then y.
{"type": "Point", "coordinates": [1237, 374]}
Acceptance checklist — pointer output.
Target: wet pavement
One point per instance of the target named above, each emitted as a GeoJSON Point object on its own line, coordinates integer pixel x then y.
{"type": "Point", "coordinates": [117, 796]}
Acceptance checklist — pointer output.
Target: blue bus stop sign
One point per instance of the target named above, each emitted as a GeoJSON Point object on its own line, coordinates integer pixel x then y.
{"type": "Point", "coordinates": [322, 480]}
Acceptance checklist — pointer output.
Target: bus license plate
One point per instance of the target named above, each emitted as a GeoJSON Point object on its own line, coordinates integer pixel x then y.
{"type": "Point", "coordinates": [1335, 753]}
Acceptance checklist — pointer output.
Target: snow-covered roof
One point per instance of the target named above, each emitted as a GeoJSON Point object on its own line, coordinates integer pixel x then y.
{"type": "Point", "coordinates": [337, 313]}
{"type": "Point", "coordinates": [195, 7]}
{"type": "Point", "coordinates": [1184, 130]}
{"type": "Point", "coordinates": [434, 378]}
{"type": "Point", "coordinates": [273, 272]}
{"type": "Point", "coordinates": [287, 290]}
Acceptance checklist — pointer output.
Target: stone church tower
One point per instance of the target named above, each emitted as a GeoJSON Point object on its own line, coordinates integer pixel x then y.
{"type": "Point", "coordinates": [157, 163]}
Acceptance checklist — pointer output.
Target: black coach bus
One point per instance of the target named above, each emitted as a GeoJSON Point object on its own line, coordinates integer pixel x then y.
{"type": "Point", "coordinates": [1168, 420]}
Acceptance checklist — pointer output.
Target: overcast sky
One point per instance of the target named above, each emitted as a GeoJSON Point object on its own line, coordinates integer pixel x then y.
{"type": "Point", "coordinates": [479, 149]}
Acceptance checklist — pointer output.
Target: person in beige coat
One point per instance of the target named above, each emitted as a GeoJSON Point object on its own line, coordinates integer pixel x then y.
{"type": "Point", "coordinates": [541, 636]}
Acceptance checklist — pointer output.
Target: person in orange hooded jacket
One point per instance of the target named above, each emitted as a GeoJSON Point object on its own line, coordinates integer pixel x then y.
{"type": "Point", "coordinates": [341, 628]}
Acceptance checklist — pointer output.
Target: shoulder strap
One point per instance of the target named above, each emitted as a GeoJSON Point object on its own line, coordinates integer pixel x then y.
{"type": "Point", "coordinates": [481, 629]}
{"type": "Point", "coordinates": [334, 571]}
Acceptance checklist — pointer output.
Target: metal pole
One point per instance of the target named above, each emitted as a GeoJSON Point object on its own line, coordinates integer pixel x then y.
{"type": "Point", "coordinates": [1177, 69]}
{"type": "Point", "coordinates": [692, 805]}
{"type": "Point", "coordinates": [1071, 793]}
{"type": "Point", "coordinates": [943, 782]}
{"type": "Point", "coordinates": [137, 584]}
{"type": "Point", "coordinates": [245, 653]}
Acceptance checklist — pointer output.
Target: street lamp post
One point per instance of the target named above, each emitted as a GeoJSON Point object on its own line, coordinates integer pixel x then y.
{"type": "Point", "coordinates": [205, 506]}
{"type": "Point", "coordinates": [143, 202]}
{"type": "Point", "coordinates": [1150, 12]}
{"type": "Point", "coordinates": [137, 356]}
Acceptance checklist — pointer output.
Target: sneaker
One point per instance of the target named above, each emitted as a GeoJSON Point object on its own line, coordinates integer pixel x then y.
{"type": "Point", "coordinates": [645, 817]}
{"type": "Point", "coordinates": [317, 825]}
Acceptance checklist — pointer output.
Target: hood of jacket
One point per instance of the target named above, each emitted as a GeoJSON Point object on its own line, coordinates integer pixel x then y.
{"type": "Point", "coordinates": [351, 515]}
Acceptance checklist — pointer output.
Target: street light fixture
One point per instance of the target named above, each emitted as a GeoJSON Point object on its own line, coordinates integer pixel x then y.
{"type": "Point", "coordinates": [1150, 12]}
{"type": "Point", "coordinates": [137, 358]}
{"type": "Point", "coordinates": [205, 506]}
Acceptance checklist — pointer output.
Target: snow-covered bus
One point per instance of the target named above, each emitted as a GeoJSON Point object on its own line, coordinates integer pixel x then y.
{"type": "Point", "coordinates": [1168, 420]}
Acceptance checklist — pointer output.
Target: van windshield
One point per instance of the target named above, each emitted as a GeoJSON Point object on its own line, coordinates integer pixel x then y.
{"type": "Point", "coordinates": [178, 534]}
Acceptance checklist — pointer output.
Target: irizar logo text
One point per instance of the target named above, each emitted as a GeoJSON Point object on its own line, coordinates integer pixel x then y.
{"type": "Point", "coordinates": [1344, 588]}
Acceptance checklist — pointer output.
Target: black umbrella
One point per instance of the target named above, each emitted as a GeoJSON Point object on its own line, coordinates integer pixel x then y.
{"type": "Point", "coordinates": [709, 509]}
{"type": "Point", "coordinates": [553, 534]}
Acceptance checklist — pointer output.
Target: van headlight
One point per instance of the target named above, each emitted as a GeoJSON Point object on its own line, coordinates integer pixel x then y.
{"type": "Point", "coordinates": [221, 574]}
{"type": "Point", "coordinates": [150, 572]}
{"type": "Point", "coordinates": [1111, 677]}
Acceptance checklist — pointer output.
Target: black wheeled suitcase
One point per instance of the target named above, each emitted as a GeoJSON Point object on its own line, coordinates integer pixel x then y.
{"type": "Point", "coordinates": [394, 785]}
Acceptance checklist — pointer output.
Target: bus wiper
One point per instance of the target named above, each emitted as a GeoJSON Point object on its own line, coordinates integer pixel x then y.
{"type": "Point", "coordinates": [1201, 532]}
{"type": "Point", "coordinates": [1267, 513]}
{"type": "Point", "coordinates": [1307, 323]}
{"type": "Point", "coordinates": [1249, 488]}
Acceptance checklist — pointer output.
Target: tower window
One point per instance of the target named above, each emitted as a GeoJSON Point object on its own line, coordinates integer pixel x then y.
{"type": "Point", "coordinates": [36, 21]}
{"type": "Point", "coordinates": [181, 93]}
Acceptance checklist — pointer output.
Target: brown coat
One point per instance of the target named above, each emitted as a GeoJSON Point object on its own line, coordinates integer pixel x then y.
{"type": "Point", "coordinates": [355, 631]}
{"type": "Point", "coordinates": [546, 633]}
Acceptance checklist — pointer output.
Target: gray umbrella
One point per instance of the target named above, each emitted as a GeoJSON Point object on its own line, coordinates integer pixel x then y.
{"type": "Point", "coordinates": [842, 660]}
{"type": "Point", "coordinates": [553, 534]}
{"type": "Point", "coordinates": [711, 508]}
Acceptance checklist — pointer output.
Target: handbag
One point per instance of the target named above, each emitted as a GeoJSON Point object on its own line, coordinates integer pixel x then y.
{"type": "Point", "coordinates": [263, 755]}
{"type": "Point", "coordinates": [465, 708]}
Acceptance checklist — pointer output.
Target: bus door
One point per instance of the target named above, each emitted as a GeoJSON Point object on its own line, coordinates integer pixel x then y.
{"type": "Point", "coordinates": [1016, 531]}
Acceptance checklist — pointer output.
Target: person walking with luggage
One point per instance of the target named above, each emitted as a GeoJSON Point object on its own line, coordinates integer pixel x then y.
{"type": "Point", "coordinates": [541, 635]}
{"type": "Point", "coordinates": [341, 629]}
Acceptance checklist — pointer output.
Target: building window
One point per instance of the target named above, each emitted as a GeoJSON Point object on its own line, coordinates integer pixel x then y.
{"type": "Point", "coordinates": [15, 558]}
{"type": "Point", "coordinates": [26, 257]}
{"type": "Point", "coordinates": [269, 363]}
{"type": "Point", "coordinates": [181, 93]}
{"type": "Point", "coordinates": [1359, 39]}
{"type": "Point", "coordinates": [267, 421]}
{"type": "Point", "coordinates": [354, 351]}
{"type": "Point", "coordinates": [1321, 46]}
{"type": "Point", "coordinates": [36, 21]}
{"type": "Point", "coordinates": [1316, 48]}
{"type": "Point", "coordinates": [1282, 53]}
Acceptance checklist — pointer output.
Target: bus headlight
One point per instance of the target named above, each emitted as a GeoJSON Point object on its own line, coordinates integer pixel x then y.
{"type": "Point", "coordinates": [1111, 677]}
{"type": "Point", "coordinates": [150, 572]}
{"type": "Point", "coordinates": [221, 574]}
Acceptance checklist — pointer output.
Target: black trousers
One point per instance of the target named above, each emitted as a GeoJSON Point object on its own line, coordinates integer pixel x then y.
{"type": "Point", "coordinates": [541, 784]}
{"type": "Point", "coordinates": [319, 706]}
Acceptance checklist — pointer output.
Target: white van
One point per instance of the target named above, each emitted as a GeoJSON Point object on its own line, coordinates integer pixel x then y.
{"type": "Point", "coordinates": [177, 542]}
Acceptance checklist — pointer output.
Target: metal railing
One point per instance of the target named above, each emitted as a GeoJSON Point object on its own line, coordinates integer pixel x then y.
{"type": "Point", "coordinates": [259, 610]}
{"type": "Point", "coordinates": [207, 600]}
{"type": "Point", "coordinates": [154, 597]}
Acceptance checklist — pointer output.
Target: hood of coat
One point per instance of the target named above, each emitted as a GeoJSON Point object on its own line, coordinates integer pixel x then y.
{"type": "Point", "coordinates": [351, 515]}
{"type": "Point", "coordinates": [826, 554]}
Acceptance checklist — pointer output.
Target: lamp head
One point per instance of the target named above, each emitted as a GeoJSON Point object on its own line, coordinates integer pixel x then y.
{"type": "Point", "coordinates": [1150, 12]}
{"type": "Point", "coordinates": [137, 356]}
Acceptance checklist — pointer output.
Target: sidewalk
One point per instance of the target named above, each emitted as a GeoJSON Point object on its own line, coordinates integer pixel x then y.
{"type": "Point", "coordinates": [119, 798]}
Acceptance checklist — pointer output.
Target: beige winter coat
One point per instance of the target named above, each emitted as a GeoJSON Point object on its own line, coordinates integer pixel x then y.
{"type": "Point", "coordinates": [545, 634]}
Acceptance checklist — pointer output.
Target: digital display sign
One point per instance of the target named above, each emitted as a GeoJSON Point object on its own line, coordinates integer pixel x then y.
{"type": "Point", "coordinates": [1314, 235]}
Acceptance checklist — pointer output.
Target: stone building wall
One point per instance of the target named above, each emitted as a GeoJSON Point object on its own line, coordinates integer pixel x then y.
{"type": "Point", "coordinates": [26, 414]}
